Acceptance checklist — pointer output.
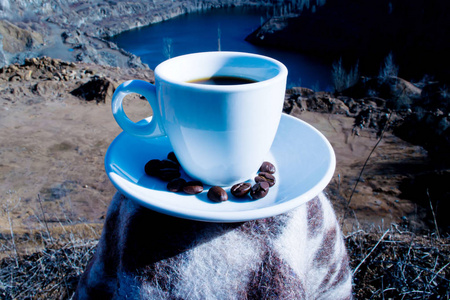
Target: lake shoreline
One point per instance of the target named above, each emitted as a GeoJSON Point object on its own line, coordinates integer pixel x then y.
{"type": "Point", "coordinates": [221, 29]}
{"type": "Point", "coordinates": [78, 33]}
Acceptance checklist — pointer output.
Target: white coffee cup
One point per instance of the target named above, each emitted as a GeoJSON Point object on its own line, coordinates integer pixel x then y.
{"type": "Point", "coordinates": [219, 133]}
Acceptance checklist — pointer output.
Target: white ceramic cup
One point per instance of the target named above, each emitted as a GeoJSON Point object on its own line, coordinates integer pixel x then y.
{"type": "Point", "coordinates": [219, 133]}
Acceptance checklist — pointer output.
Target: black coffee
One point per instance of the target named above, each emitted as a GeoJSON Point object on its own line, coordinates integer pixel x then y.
{"type": "Point", "coordinates": [223, 80]}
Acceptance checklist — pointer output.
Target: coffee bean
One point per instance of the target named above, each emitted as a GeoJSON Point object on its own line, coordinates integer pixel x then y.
{"type": "Point", "coordinates": [168, 174]}
{"type": "Point", "coordinates": [152, 167]}
{"type": "Point", "coordinates": [259, 190]}
{"type": "Point", "coordinates": [169, 170]}
{"type": "Point", "coordinates": [240, 189]}
{"type": "Point", "coordinates": [193, 187]}
{"type": "Point", "coordinates": [169, 164]}
{"type": "Point", "coordinates": [267, 167]}
{"type": "Point", "coordinates": [217, 194]}
{"type": "Point", "coordinates": [176, 185]}
{"type": "Point", "coordinates": [171, 156]}
{"type": "Point", "coordinates": [267, 177]}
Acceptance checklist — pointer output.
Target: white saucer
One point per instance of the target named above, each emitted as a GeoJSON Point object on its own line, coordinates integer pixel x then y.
{"type": "Point", "coordinates": [304, 159]}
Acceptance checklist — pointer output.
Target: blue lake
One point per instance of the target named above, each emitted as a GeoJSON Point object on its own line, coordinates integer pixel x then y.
{"type": "Point", "coordinates": [219, 28]}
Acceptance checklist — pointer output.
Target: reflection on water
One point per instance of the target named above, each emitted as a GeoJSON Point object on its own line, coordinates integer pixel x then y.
{"type": "Point", "coordinates": [223, 29]}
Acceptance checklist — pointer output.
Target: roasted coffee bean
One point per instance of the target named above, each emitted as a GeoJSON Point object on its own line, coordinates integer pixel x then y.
{"type": "Point", "coordinates": [169, 164]}
{"type": "Point", "coordinates": [240, 189]}
{"type": "Point", "coordinates": [171, 156]}
{"type": "Point", "coordinates": [259, 190]}
{"type": "Point", "coordinates": [267, 177]}
{"type": "Point", "coordinates": [176, 185]}
{"type": "Point", "coordinates": [193, 187]}
{"type": "Point", "coordinates": [267, 167]}
{"type": "Point", "coordinates": [217, 194]}
{"type": "Point", "coordinates": [153, 167]}
{"type": "Point", "coordinates": [168, 174]}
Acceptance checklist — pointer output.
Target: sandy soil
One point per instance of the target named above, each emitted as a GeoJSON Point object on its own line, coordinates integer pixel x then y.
{"type": "Point", "coordinates": [52, 150]}
{"type": "Point", "coordinates": [377, 200]}
{"type": "Point", "coordinates": [53, 145]}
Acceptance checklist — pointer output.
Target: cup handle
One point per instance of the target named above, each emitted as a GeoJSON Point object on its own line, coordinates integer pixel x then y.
{"type": "Point", "coordinates": [150, 127]}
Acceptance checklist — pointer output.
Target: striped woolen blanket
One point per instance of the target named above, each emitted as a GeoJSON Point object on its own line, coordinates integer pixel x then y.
{"type": "Point", "coordinates": [143, 254]}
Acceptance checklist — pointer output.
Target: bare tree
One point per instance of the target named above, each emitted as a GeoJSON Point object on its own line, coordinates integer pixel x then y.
{"type": "Point", "coordinates": [343, 79]}
{"type": "Point", "coordinates": [389, 69]}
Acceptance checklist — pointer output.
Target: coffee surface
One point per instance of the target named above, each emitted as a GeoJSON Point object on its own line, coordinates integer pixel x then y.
{"type": "Point", "coordinates": [222, 80]}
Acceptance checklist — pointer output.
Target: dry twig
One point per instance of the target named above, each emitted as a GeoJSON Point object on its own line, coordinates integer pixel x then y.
{"type": "Point", "coordinates": [357, 267]}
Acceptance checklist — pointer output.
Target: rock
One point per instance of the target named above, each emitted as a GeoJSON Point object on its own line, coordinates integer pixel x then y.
{"type": "Point", "coordinates": [319, 102]}
{"type": "Point", "coordinates": [302, 99]}
{"type": "Point", "coordinates": [46, 88]}
{"type": "Point", "coordinates": [99, 89]}
{"type": "Point", "coordinates": [300, 91]}
{"type": "Point", "coordinates": [17, 39]}
{"type": "Point", "coordinates": [396, 92]}
{"type": "Point", "coordinates": [15, 77]}
{"type": "Point", "coordinates": [70, 38]}
{"type": "Point", "coordinates": [339, 107]}
{"type": "Point", "coordinates": [143, 254]}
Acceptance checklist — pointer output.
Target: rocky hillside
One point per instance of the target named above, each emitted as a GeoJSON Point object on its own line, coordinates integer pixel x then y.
{"type": "Point", "coordinates": [73, 30]}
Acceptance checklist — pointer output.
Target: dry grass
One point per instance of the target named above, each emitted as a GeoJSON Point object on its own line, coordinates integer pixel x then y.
{"type": "Point", "coordinates": [51, 273]}
{"type": "Point", "coordinates": [44, 263]}
{"type": "Point", "coordinates": [399, 264]}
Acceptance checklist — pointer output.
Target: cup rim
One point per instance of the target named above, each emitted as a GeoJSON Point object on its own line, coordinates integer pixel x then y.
{"type": "Point", "coordinates": [161, 76]}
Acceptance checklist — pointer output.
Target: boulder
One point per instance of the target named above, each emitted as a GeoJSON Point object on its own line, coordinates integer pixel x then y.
{"type": "Point", "coordinates": [99, 89]}
{"type": "Point", "coordinates": [143, 254]}
{"type": "Point", "coordinates": [300, 91]}
{"type": "Point", "coordinates": [397, 92]}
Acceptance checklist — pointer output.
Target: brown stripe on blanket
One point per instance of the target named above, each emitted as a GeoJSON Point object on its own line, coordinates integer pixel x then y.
{"type": "Point", "coordinates": [343, 274]}
{"type": "Point", "coordinates": [274, 280]}
{"type": "Point", "coordinates": [326, 280]}
{"type": "Point", "coordinates": [327, 248]}
{"type": "Point", "coordinates": [314, 217]}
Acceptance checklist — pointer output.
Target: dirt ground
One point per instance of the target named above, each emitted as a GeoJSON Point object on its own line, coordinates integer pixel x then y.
{"type": "Point", "coordinates": [52, 150]}
{"type": "Point", "coordinates": [377, 200]}
{"type": "Point", "coordinates": [53, 145]}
